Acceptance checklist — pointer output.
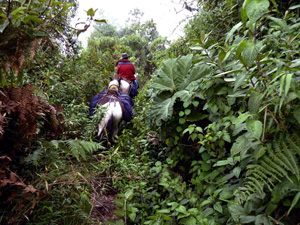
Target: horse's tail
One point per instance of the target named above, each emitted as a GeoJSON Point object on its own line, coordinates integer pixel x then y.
{"type": "Point", "coordinates": [109, 127]}
{"type": "Point", "coordinates": [111, 120]}
{"type": "Point", "coordinates": [103, 124]}
{"type": "Point", "coordinates": [107, 123]}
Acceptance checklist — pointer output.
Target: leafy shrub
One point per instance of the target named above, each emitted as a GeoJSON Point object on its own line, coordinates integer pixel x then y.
{"type": "Point", "coordinates": [227, 120]}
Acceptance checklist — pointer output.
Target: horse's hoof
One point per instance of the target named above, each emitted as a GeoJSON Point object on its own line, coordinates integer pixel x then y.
{"type": "Point", "coordinates": [108, 144]}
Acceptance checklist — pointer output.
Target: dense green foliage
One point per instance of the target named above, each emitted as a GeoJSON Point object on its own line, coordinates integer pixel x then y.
{"type": "Point", "coordinates": [228, 115]}
{"type": "Point", "coordinates": [215, 138]}
{"type": "Point", "coordinates": [27, 27]}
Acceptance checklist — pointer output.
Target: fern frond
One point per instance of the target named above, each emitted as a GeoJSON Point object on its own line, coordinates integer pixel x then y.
{"type": "Point", "coordinates": [294, 145]}
{"type": "Point", "coordinates": [281, 157]}
{"type": "Point", "coordinates": [277, 164]}
{"type": "Point", "coordinates": [258, 174]}
{"type": "Point", "coordinates": [258, 180]}
{"type": "Point", "coordinates": [280, 161]}
{"type": "Point", "coordinates": [254, 185]}
{"type": "Point", "coordinates": [79, 148]}
{"type": "Point", "coordinates": [90, 147]}
{"type": "Point", "coordinates": [270, 171]}
{"type": "Point", "coordinates": [292, 159]}
{"type": "Point", "coordinates": [269, 165]}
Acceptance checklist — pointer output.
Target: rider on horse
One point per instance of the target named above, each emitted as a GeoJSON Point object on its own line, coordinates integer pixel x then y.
{"type": "Point", "coordinates": [117, 99]}
{"type": "Point", "coordinates": [126, 70]}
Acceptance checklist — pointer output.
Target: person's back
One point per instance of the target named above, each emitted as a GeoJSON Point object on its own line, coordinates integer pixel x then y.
{"type": "Point", "coordinates": [126, 68]}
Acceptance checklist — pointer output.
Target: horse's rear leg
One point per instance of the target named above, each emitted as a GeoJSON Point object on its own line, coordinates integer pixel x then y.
{"type": "Point", "coordinates": [103, 131]}
{"type": "Point", "coordinates": [117, 115]}
{"type": "Point", "coordinates": [101, 128]}
{"type": "Point", "coordinates": [103, 124]}
{"type": "Point", "coordinates": [115, 131]}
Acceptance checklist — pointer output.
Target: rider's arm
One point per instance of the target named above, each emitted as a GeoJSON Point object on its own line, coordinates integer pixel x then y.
{"type": "Point", "coordinates": [133, 69]}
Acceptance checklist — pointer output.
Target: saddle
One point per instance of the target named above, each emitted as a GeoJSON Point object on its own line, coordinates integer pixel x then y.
{"type": "Point", "coordinates": [110, 97]}
{"type": "Point", "coordinates": [113, 89]}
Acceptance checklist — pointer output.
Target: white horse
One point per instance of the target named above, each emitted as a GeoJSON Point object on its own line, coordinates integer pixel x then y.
{"type": "Point", "coordinates": [123, 83]}
{"type": "Point", "coordinates": [114, 112]}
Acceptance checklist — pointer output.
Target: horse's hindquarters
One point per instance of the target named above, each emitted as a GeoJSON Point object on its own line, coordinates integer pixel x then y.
{"type": "Point", "coordinates": [111, 120]}
{"type": "Point", "coordinates": [115, 109]}
{"type": "Point", "coordinates": [125, 87]}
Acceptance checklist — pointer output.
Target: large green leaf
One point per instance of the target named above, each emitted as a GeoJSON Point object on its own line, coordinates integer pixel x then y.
{"type": "Point", "coordinates": [250, 53]}
{"type": "Point", "coordinates": [241, 79]}
{"type": "Point", "coordinates": [177, 79]}
{"type": "Point", "coordinates": [255, 127]}
{"type": "Point", "coordinates": [184, 96]}
{"type": "Point", "coordinates": [173, 74]}
{"type": "Point", "coordinates": [241, 144]}
{"type": "Point", "coordinates": [242, 45]}
{"type": "Point", "coordinates": [161, 110]}
{"type": "Point", "coordinates": [165, 78]}
{"type": "Point", "coordinates": [243, 11]}
{"type": "Point", "coordinates": [280, 22]}
{"type": "Point", "coordinates": [254, 102]}
{"type": "Point", "coordinates": [229, 35]}
{"type": "Point", "coordinates": [194, 76]}
{"type": "Point", "coordinates": [256, 9]}
{"type": "Point", "coordinates": [183, 65]}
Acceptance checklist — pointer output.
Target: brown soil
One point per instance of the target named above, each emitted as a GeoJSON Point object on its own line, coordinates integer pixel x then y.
{"type": "Point", "coordinates": [103, 202]}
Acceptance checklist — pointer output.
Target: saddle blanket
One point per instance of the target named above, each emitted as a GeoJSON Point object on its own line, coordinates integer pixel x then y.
{"type": "Point", "coordinates": [125, 99]}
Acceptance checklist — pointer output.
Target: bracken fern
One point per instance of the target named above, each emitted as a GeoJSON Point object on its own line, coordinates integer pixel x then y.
{"type": "Point", "coordinates": [279, 162]}
{"type": "Point", "coordinates": [79, 148]}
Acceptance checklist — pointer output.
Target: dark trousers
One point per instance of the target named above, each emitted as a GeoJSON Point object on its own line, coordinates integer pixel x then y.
{"type": "Point", "coordinates": [136, 84]}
